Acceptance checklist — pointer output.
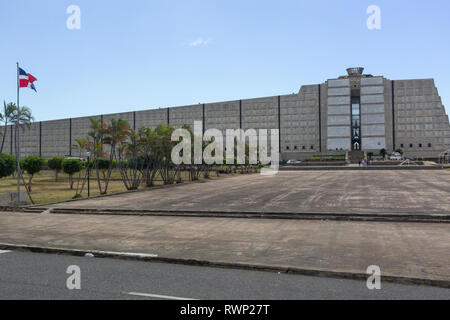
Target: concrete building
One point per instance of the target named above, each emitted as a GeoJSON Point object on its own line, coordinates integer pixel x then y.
{"type": "Point", "coordinates": [353, 112]}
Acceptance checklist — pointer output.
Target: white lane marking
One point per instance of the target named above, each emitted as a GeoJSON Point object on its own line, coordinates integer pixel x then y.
{"type": "Point", "coordinates": [4, 251]}
{"type": "Point", "coordinates": [129, 254]}
{"type": "Point", "coordinates": [156, 296]}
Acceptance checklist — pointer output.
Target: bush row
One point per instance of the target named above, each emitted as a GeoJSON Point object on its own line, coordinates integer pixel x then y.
{"type": "Point", "coordinates": [34, 164]}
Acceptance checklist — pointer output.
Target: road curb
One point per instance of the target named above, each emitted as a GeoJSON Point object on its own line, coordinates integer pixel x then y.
{"type": "Point", "coordinates": [361, 217]}
{"type": "Point", "coordinates": [218, 264]}
{"type": "Point", "coordinates": [345, 168]}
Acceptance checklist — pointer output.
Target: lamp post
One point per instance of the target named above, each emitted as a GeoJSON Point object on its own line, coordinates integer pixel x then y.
{"type": "Point", "coordinates": [89, 173]}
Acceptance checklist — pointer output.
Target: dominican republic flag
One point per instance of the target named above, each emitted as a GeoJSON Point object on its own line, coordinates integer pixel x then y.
{"type": "Point", "coordinates": [26, 80]}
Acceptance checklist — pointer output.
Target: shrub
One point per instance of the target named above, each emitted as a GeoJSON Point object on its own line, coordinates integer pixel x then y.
{"type": "Point", "coordinates": [55, 163]}
{"type": "Point", "coordinates": [71, 166]}
{"type": "Point", "coordinates": [126, 163]}
{"type": "Point", "coordinates": [8, 165]}
{"type": "Point", "coordinates": [32, 165]}
{"type": "Point", "coordinates": [102, 163]}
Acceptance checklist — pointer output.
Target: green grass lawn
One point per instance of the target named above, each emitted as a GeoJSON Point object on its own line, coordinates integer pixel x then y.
{"type": "Point", "coordinates": [46, 190]}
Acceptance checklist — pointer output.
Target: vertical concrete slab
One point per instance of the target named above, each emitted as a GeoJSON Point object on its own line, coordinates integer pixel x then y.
{"type": "Point", "coordinates": [55, 138]}
{"type": "Point", "coordinates": [151, 118]}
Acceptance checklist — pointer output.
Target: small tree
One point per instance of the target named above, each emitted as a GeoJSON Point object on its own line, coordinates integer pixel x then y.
{"type": "Point", "coordinates": [101, 165]}
{"type": "Point", "coordinates": [383, 153]}
{"type": "Point", "coordinates": [55, 163]}
{"type": "Point", "coordinates": [71, 166]}
{"type": "Point", "coordinates": [8, 165]}
{"type": "Point", "coordinates": [32, 165]}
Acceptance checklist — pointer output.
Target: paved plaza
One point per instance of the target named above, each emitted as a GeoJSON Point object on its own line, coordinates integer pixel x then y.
{"type": "Point", "coordinates": [412, 250]}
{"type": "Point", "coordinates": [401, 249]}
{"type": "Point", "coordinates": [419, 192]}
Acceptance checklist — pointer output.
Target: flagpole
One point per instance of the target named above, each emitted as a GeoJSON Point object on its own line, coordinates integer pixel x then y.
{"type": "Point", "coordinates": [19, 172]}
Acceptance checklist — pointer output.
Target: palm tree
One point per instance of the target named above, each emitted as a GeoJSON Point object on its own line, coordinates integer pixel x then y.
{"type": "Point", "coordinates": [102, 134]}
{"type": "Point", "coordinates": [115, 134]}
{"type": "Point", "coordinates": [6, 117]}
{"type": "Point", "coordinates": [21, 117]}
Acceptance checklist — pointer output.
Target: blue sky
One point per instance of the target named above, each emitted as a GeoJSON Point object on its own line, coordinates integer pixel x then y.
{"type": "Point", "coordinates": [143, 54]}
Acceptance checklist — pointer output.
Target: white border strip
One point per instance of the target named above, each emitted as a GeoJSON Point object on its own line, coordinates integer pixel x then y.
{"type": "Point", "coordinates": [158, 296]}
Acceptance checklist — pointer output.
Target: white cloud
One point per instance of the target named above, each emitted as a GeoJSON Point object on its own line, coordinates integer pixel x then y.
{"type": "Point", "coordinates": [199, 42]}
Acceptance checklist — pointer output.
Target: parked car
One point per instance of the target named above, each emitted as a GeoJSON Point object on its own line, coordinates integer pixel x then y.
{"type": "Point", "coordinates": [293, 162]}
{"type": "Point", "coordinates": [78, 158]}
{"type": "Point", "coordinates": [396, 156]}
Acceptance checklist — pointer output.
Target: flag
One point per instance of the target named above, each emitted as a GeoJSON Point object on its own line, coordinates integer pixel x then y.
{"type": "Point", "coordinates": [26, 80]}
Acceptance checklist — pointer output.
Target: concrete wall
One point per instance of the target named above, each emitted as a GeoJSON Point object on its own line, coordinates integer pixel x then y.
{"type": "Point", "coordinates": [260, 113]}
{"type": "Point", "coordinates": [388, 116]}
{"type": "Point", "coordinates": [8, 145]}
{"type": "Point", "coordinates": [28, 139]}
{"type": "Point", "coordinates": [222, 115]}
{"type": "Point", "coordinates": [80, 127]}
{"type": "Point", "coordinates": [315, 120]}
{"type": "Point", "coordinates": [128, 116]}
{"type": "Point", "coordinates": [373, 121]}
{"type": "Point", "coordinates": [421, 125]}
{"type": "Point", "coordinates": [338, 116]}
{"type": "Point", "coordinates": [55, 139]}
{"type": "Point", "coordinates": [151, 118]}
{"type": "Point", "coordinates": [299, 119]}
{"type": "Point", "coordinates": [180, 116]}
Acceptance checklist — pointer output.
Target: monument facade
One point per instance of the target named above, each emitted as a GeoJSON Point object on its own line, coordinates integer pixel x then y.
{"type": "Point", "coordinates": [353, 112]}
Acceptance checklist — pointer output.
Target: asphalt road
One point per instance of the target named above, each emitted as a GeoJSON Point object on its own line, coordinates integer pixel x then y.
{"type": "Point", "coordinates": [26, 275]}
